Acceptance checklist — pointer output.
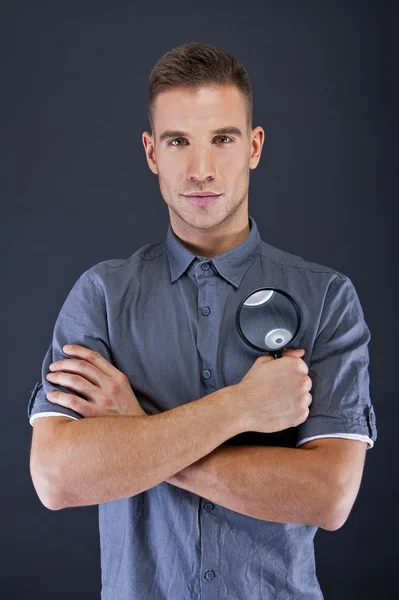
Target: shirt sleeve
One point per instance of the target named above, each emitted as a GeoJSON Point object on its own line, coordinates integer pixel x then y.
{"type": "Point", "coordinates": [338, 369]}
{"type": "Point", "coordinates": [82, 320]}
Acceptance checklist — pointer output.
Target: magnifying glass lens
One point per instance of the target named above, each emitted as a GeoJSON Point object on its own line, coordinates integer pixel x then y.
{"type": "Point", "coordinates": [268, 320]}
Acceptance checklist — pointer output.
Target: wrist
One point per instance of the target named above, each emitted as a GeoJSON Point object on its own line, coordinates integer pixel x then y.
{"type": "Point", "coordinates": [232, 400]}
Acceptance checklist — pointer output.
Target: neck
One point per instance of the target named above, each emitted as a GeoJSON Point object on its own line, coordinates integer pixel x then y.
{"type": "Point", "coordinates": [210, 243]}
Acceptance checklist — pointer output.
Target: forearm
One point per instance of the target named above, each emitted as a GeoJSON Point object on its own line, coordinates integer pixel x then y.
{"type": "Point", "coordinates": [100, 459]}
{"type": "Point", "coordinates": [285, 485]}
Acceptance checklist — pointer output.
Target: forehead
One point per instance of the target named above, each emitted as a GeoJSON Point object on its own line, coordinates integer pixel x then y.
{"type": "Point", "coordinates": [204, 106]}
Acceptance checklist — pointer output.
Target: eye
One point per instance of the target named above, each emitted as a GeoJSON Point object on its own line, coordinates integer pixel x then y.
{"type": "Point", "coordinates": [176, 139]}
{"type": "Point", "coordinates": [224, 136]}
{"type": "Point", "coordinates": [217, 138]}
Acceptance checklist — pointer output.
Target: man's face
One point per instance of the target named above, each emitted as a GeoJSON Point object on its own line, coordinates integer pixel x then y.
{"type": "Point", "coordinates": [198, 159]}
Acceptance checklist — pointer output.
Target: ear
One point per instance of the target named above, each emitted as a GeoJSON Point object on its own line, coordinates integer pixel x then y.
{"type": "Point", "coordinates": [149, 147]}
{"type": "Point", "coordinates": [257, 139]}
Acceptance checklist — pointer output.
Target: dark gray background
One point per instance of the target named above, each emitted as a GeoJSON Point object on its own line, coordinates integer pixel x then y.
{"type": "Point", "coordinates": [76, 189]}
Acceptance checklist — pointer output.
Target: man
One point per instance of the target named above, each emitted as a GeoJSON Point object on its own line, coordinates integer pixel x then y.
{"type": "Point", "coordinates": [213, 464]}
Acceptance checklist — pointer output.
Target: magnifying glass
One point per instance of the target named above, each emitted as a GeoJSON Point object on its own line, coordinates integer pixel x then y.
{"type": "Point", "coordinates": [268, 319]}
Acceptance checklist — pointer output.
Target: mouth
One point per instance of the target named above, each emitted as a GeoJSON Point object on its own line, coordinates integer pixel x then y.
{"type": "Point", "coordinates": [203, 200]}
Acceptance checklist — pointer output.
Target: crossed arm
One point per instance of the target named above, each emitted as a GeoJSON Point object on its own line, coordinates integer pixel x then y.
{"type": "Point", "coordinates": [315, 484]}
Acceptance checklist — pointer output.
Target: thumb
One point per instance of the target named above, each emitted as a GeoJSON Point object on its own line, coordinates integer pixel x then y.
{"type": "Point", "coordinates": [294, 351]}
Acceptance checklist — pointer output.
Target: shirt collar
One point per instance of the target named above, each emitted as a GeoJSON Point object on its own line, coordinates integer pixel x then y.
{"type": "Point", "coordinates": [232, 265]}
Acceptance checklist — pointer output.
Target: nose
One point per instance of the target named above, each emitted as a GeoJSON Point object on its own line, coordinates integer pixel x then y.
{"type": "Point", "coordinates": [201, 164]}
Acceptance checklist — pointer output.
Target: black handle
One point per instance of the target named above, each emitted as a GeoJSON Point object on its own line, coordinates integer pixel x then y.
{"type": "Point", "coordinates": [278, 354]}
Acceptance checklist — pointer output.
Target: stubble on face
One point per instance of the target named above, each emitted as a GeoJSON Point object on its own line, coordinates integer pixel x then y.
{"type": "Point", "coordinates": [224, 210]}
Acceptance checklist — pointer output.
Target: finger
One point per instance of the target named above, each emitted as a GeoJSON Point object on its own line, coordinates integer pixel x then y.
{"type": "Point", "coordinates": [80, 366]}
{"type": "Point", "coordinates": [75, 382]}
{"type": "Point", "coordinates": [92, 357]}
{"type": "Point", "coordinates": [296, 352]}
{"type": "Point", "coordinates": [79, 405]}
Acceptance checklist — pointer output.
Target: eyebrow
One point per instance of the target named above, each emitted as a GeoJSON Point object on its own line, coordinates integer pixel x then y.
{"type": "Point", "coordinates": [172, 133]}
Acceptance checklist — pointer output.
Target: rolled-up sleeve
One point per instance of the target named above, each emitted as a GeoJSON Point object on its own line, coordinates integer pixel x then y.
{"type": "Point", "coordinates": [82, 320]}
{"type": "Point", "coordinates": [338, 369]}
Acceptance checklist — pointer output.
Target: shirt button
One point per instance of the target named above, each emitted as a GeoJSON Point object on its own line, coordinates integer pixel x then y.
{"type": "Point", "coordinates": [205, 266]}
{"type": "Point", "coordinates": [205, 311]}
{"type": "Point", "coordinates": [208, 506]}
{"type": "Point", "coordinates": [206, 374]}
{"type": "Point", "coordinates": [209, 575]}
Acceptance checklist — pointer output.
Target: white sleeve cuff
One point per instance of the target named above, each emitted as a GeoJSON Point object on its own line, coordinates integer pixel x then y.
{"type": "Point", "coordinates": [349, 436]}
{"type": "Point", "coordinates": [50, 414]}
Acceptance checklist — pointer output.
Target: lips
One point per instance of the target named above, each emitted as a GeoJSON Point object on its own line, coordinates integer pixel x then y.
{"type": "Point", "coordinates": [203, 200]}
{"type": "Point", "coordinates": [206, 193]}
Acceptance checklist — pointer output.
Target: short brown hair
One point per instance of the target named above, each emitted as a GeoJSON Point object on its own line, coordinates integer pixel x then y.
{"type": "Point", "coordinates": [195, 65]}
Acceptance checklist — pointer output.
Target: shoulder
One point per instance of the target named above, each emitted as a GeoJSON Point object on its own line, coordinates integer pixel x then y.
{"type": "Point", "coordinates": [122, 271]}
{"type": "Point", "coordinates": [287, 266]}
{"type": "Point", "coordinates": [285, 259]}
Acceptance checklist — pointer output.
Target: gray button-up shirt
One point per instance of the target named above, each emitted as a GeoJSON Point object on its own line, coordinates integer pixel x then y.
{"type": "Point", "coordinates": [166, 318]}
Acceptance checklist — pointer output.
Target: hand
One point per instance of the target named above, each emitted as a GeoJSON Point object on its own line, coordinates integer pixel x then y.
{"type": "Point", "coordinates": [107, 390]}
{"type": "Point", "coordinates": [274, 394]}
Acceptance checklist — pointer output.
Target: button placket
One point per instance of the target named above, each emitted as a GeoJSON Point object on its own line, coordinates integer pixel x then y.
{"type": "Point", "coordinates": [206, 343]}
